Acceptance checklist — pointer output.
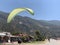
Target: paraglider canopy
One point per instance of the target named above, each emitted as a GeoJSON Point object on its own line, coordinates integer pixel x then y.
{"type": "Point", "coordinates": [16, 11]}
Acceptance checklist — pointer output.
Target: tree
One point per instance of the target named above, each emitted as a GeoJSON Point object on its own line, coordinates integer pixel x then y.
{"type": "Point", "coordinates": [15, 33]}
{"type": "Point", "coordinates": [39, 36]}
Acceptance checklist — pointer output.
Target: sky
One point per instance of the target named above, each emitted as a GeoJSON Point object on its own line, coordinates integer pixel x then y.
{"type": "Point", "coordinates": [43, 9]}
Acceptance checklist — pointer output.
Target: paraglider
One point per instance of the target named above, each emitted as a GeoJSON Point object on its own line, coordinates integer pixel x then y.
{"type": "Point", "coordinates": [16, 11]}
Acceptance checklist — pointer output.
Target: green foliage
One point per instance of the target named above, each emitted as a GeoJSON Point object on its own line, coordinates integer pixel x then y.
{"type": "Point", "coordinates": [27, 25]}
{"type": "Point", "coordinates": [38, 36]}
{"type": "Point", "coordinates": [15, 33]}
{"type": "Point", "coordinates": [24, 38]}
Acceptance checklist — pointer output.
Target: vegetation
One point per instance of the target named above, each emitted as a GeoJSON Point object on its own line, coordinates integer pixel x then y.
{"type": "Point", "coordinates": [28, 26]}
{"type": "Point", "coordinates": [39, 36]}
{"type": "Point", "coordinates": [15, 33]}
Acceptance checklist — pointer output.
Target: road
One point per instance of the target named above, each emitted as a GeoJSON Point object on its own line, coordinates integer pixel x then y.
{"type": "Point", "coordinates": [52, 42]}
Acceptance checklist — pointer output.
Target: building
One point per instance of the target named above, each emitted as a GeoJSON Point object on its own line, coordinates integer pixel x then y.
{"type": "Point", "coordinates": [7, 37]}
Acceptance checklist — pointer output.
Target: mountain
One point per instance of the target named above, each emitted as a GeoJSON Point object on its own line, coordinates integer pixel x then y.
{"type": "Point", "coordinates": [29, 25]}
{"type": "Point", "coordinates": [55, 22]}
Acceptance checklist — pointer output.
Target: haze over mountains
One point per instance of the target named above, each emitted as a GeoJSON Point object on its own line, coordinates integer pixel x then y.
{"type": "Point", "coordinates": [28, 25]}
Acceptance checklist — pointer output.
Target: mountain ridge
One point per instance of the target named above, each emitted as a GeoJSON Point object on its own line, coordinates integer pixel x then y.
{"type": "Point", "coordinates": [26, 25]}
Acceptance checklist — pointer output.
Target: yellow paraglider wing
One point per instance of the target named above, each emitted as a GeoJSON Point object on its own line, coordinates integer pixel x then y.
{"type": "Point", "coordinates": [16, 11]}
